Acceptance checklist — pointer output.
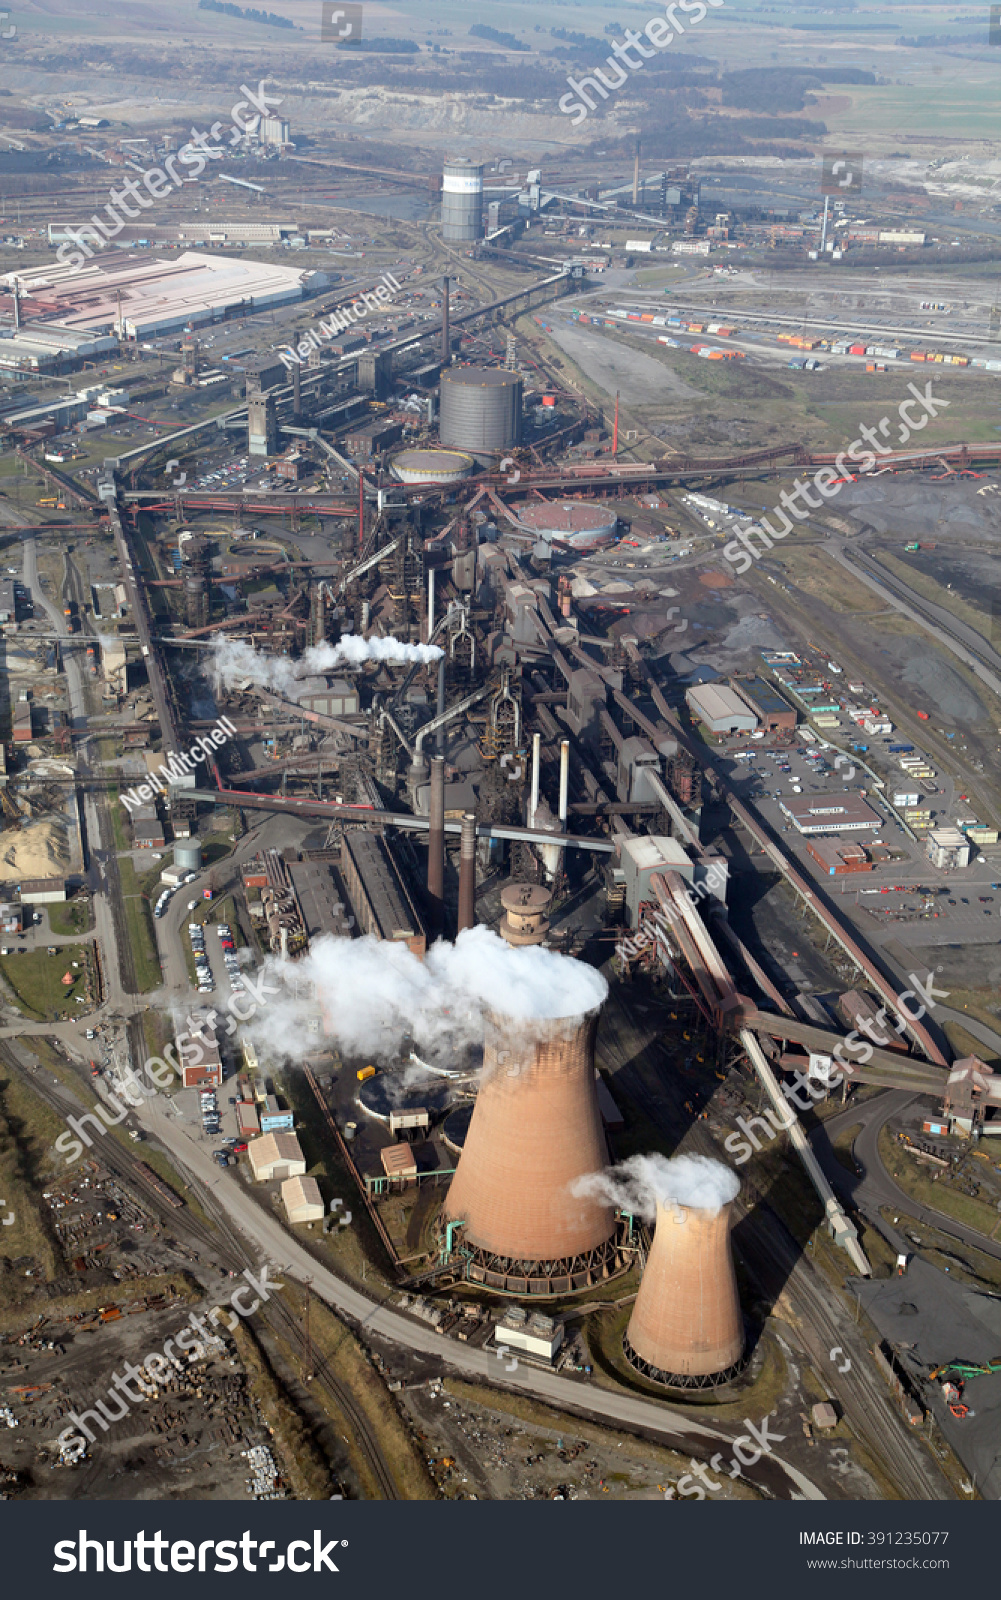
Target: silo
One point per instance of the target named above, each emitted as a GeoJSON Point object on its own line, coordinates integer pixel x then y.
{"type": "Point", "coordinates": [535, 1130]}
{"type": "Point", "coordinates": [686, 1329]}
{"type": "Point", "coordinates": [187, 854]}
{"type": "Point", "coordinates": [462, 201]}
{"type": "Point", "coordinates": [480, 409]}
{"type": "Point", "coordinates": [197, 600]}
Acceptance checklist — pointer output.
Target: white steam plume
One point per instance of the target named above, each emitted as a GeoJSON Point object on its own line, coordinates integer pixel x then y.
{"type": "Point", "coordinates": [234, 661]}
{"type": "Point", "coordinates": [373, 991]}
{"type": "Point", "coordinates": [637, 1184]}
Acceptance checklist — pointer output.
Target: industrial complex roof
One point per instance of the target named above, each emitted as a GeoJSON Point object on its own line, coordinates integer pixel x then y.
{"type": "Point", "coordinates": [161, 294]}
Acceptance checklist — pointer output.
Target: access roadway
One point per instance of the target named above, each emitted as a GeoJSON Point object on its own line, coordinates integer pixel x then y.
{"type": "Point", "coordinates": [775, 1476]}
{"type": "Point", "coordinates": [876, 1189]}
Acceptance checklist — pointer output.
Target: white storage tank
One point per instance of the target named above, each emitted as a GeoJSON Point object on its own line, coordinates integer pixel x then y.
{"type": "Point", "coordinates": [188, 855]}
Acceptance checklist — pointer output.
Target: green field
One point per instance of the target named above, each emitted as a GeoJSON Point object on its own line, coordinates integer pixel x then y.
{"type": "Point", "coordinates": [36, 981]}
{"type": "Point", "coordinates": [139, 922]}
{"type": "Point", "coordinates": [73, 917]}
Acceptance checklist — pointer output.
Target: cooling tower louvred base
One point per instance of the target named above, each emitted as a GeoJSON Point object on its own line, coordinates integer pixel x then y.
{"type": "Point", "coordinates": [686, 1329]}
{"type": "Point", "coordinates": [536, 1128]}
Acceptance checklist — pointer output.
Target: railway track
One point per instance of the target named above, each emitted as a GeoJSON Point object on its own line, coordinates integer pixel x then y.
{"type": "Point", "coordinates": [223, 1241]}
{"type": "Point", "coordinates": [776, 1262]}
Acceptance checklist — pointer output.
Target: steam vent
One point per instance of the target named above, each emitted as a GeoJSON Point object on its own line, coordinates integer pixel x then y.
{"type": "Point", "coordinates": [535, 1130]}
{"type": "Point", "coordinates": [686, 1328]}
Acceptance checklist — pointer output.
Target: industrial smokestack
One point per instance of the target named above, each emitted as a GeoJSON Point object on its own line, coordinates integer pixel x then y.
{"type": "Point", "coordinates": [467, 872]}
{"type": "Point", "coordinates": [564, 781]}
{"type": "Point", "coordinates": [446, 349]}
{"type": "Point", "coordinates": [536, 761]}
{"type": "Point", "coordinates": [436, 843]}
{"type": "Point", "coordinates": [535, 1132]}
{"type": "Point", "coordinates": [17, 307]}
{"type": "Point", "coordinates": [296, 393]}
{"type": "Point", "coordinates": [686, 1328]}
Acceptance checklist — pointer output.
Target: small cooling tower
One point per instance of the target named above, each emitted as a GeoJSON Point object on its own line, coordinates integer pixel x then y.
{"type": "Point", "coordinates": [686, 1328]}
{"type": "Point", "coordinates": [535, 1129]}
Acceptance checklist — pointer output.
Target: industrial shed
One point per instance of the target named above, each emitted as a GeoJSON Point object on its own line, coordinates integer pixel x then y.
{"type": "Point", "coordinates": [276, 1155]}
{"type": "Point", "coordinates": [302, 1200]}
{"type": "Point", "coordinates": [721, 709]}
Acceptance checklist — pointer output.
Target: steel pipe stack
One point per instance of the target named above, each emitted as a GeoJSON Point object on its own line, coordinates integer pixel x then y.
{"type": "Point", "coordinates": [467, 872]}
{"type": "Point", "coordinates": [436, 844]}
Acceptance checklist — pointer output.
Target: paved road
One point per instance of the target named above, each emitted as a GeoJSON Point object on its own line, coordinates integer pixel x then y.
{"type": "Point", "coordinates": [890, 589]}
{"type": "Point", "coordinates": [286, 1253]}
{"type": "Point", "coordinates": [876, 1188]}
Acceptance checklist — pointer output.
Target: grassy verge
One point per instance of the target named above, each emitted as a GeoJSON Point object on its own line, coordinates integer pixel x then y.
{"type": "Point", "coordinates": [664, 1464]}
{"type": "Point", "coordinates": [303, 1465]}
{"type": "Point", "coordinates": [27, 1128]}
{"type": "Point", "coordinates": [36, 981]}
{"type": "Point", "coordinates": [73, 917]}
{"type": "Point", "coordinates": [603, 1332]}
{"type": "Point", "coordinates": [964, 1262]}
{"type": "Point", "coordinates": [333, 1340]}
{"type": "Point", "coordinates": [139, 926]}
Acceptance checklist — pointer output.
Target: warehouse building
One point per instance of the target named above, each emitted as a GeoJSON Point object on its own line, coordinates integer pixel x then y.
{"type": "Point", "coordinates": [379, 897]}
{"type": "Point", "coordinates": [771, 708]}
{"type": "Point", "coordinates": [835, 858]}
{"type": "Point", "coordinates": [302, 1200]}
{"type": "Point", "coordinates": [276, 1155]}
{"type": "Point", "coordinates": [149, 297]}
{"type": "Point", "coordinates": [721, 709]}
{"type": "Point", "coordinates": [830, 813]}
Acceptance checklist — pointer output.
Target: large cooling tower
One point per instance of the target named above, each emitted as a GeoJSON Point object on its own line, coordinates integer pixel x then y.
{"type": "Point", "coordinates": [535, 1130]}
{"type": "Point", "coordinates": [686, 1328]}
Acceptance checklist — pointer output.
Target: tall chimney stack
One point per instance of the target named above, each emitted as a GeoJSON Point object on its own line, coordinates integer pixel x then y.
{"type": "Point", "coordinates": [535, 1130]}
{"type": "Point", "coordinates": [436, 844]}
{"type": "Point", "coordinates": [446, 348]}
{"type": "Point", "coordinates": [296, 393]}
{"type": "Point", "coordinates": [686, 1328]}
{"type": "Point", "coordinates": [467, 872]}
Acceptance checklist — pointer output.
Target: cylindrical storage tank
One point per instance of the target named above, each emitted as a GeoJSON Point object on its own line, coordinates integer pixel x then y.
{"type": "Point", "coordinates": [480, 409]}
{"type": "Point", "coordinates": [432, 466]}
{"type": "Point", "coordinates": [462, 201]}
{"type": "Point", "coordinates": [535, 1130]}
{"type": "Point", "coordinates": [188, 855]}
{"type": "Point", "coordinates": [686, 1328]}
